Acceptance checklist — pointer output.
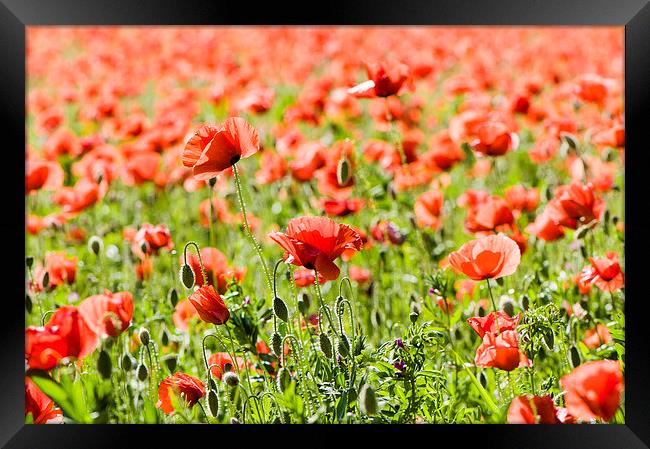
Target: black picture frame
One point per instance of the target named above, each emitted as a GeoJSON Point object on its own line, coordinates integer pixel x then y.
{"type": "Point", "coordinates": [634, 15]}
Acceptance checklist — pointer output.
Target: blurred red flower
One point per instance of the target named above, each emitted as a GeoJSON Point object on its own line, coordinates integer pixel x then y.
{"type": "Point", "coordinates": [184, 387]}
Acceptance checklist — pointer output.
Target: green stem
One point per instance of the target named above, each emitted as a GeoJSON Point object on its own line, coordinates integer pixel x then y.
{"type": "Point", "coordinates": [247, 228]}
{"type": "Point", "coordinates": [494, 306]}
{"type": "Point", "coordinates": [210, 226]}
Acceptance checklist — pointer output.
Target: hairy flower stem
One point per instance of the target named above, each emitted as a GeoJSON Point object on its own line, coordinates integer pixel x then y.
{"type": "Point", "coordinates": [198, 253]}
{"type": "Point", "coordinates": [210, 227]}
{"type": "Point", "coordinates": [247, 228]}
{"type": "Point", "coordinates": [320, 299]}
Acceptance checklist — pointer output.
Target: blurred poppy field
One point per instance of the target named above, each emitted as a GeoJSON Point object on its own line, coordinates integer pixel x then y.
{"type": "Point", "coordinates": [324, 225]}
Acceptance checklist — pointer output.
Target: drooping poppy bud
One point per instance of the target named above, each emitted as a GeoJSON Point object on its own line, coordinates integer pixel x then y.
{"type": "Point", "coordinates": [144, 336]}
{"type": "Point", "coordinates": [187, 276]}
{"type": "Point", "coordinates": [326, 345]}
{"type": "Point", "coordinates": [213, 402]}
{"type": "Point", "coordinates": [368, 400]}
{"type": "Point", "coordinates": [104, 365]}
{"type": "Point", "coordinates": [280, 309]}
{"type": "Point", "coordinates": [231, 379]}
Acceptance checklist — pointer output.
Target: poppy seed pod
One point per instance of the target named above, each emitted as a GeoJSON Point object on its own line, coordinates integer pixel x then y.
{"type": "Point", "coordinates": [104, 365]}
{"type": "Point", "coordinates": [143, 373]}
{"type": "Point", "coordinates": [368, 400]}
{"type": "Point", "coordinates": [326, 345]}
{"type": "Point", "coordinates": [231, 379]}
{"type": "Point", "coordinates": [164, 338]}
{"type": "Point", "coordinates": [29, 261]}
{"type": "Point", "coordinates": [213, 181]}
{"type": "Point", "coordinates": [95, 244]}
{"type": "Point", "coordinates": [144, 336]}
{"type": "Point", "coordinates": [276, 344]}
{"type": "Point", "coordinates": [213, 402]}
{"type": "Point", "coordinates": [413, 316]}
{"type": "Point", "coordinates": [46, 280]}
{"type": "Point", "coordinates": [343, 171]}
{"type": "Point", "coordinates": [187, 276]}
{"type": "Point", "coordinates": [127, 362]}
{"type": "Point", "coordinates": [549, 339]}
{"type": "Point", "coordinates": [170, 362]}
{"type": "Point", "coordinates": [280, 309]}
{"type": "Point", "coordinates": [28, 303]}
{"type": "Point", "coordinates": [344, 346]}
{"type": "Point", "coordinates": [575, 356]}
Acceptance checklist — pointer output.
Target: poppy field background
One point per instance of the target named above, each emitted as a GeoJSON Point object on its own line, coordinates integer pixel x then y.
{"type": "Point", "coordinates": [395, 225]}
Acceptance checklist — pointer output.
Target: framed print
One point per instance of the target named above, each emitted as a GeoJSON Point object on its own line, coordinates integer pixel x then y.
{"type": "Point", "coordinates": [375, 216]}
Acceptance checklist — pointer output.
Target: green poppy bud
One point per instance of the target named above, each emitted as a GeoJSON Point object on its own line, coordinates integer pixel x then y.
{"type": "Point", "coordinates": [231, 379]}
{"type": "Point", "coordinates": [144, 336]}
{"type": "Point", "coordinates": [280, 309]}
{"type": "Point", "coordinates": [170, 362]}
{"type": "Point", "coordinates": [127, 362]}
{"type": "Point", "coordinates": [549, 339]}
{"type": "Point", "coordinates": [326, 345]}
{"type": "Point", "coordinates": [343, 171]}
{"type": "Point", "coordinates": [413, 316]}
{"type": "Point", "coordinates": [213, 402]}
{"type": "Point", "coordinates": [213, 181]}
{"type": "Point", "coordinates": [187, 276]}
{"type": "Point", "coordinates": [95, 244]}
{"type": "Point", "coordinates": [276, 344]}
{"type": "Point", "coordinates": [104, 365]}
{"type": "Point", "coordinates": [344, 346]}
{"type": "Point", "coordinates": [143, 373]}
{"type": "Point", "coordinates": [283, 379]}
{"type": "Point", "coordinates": [28, 303]}
{"type": "Point", "coordinates": [46, 280]}
{"type": "Point", "coordinates": [173, 297]}
{"type": "Point", "coordinates": [368, 400]}
{"type": "Point", "coordinates": [29, 261]}
{"type": "Point", "coordinates": [575, 356]}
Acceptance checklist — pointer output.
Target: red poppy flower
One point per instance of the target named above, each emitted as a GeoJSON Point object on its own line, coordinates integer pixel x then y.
{"type": "Point", "coordinates": [183, 386]}
{"type": "Point", "coordinates": [341, 208]}
{"type": "Point", "coordinates": [43, 175]}
{"type": "Point", "coordinates": [494, 139]}
{"type": "Point", "coordinates": [224, 361]}
{"type": "Point", "coordinates": [183, 313]}
{"type": "Point", "coordinates": [141, 166]}
{"type": "Point", "coordinates": [488, 215]}
{"type": "Point", "coordinates": [387, 232]}
{"type": "Point", "coordinates": [108, 314]}
{"type": "Point", "coordinates": [273, 167]}
{"type": "Point", "coordinates": [60, 268]}
{"type": "Point", "coordinates": [545, 228]}
{"type": "Point", "coordinates": [84, 194]}
{"type": "Point", "coordinates": [483, 325]}
{"type": "Point", "coordinates": [383, 81]}
{"type": "Point", "coordinates": [575, 203]}
{"type": "Point", "coordinates": [544, 150]}
{"type": "Point", "coordinates": [153, 238]}
{"type": "Point", "coordinates": [314, 243]}
{"type": "Point", "coordinates": [533, 410]}
{"type": "Point", "coordinates": [209, 305]}
{"type": "Point", "coordinates": [593, 390]}
{"type": "Point", "coordinates": [522, 199]}
{"type": "Point", "coordinates": [304, 277]}
{"type": "Point", "coordinates": [220, 212]}
{"type": "Point", "coordinates": [444, 153]}
{"type": "Point", "coordinates": [597, 337]}
{"type": "Point", "coordinates": [464, 287]}
{"type": "Point", "coordinates": [308, 159]}
{"type": "Point", "coordinates": [591, 87]}
{"type": "Point", "coordinates": [212, 149]}
{"type": "Point", "coordinates": [500, 351]}
{"type": "Point", "coordinates": [606, 274]}
{"type": "Point", "coordinates": [65, 335]}
{"type": "Point", "coordinates": [428, 207]}
{"type": "Point", "coordinates": [349, 253]}
{"type": "Point", "coordinates": [217, 269]}
{"type": "Point", "coordinates": [360, 274]}
{"type": "Point", "coordinates": [40, 405]}
{"type": "Point", "coordinates": [488, 257]}
{"type": "Point", "coordinates": [144, 269]}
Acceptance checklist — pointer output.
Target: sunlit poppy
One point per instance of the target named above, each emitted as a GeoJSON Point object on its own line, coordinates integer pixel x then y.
{"type": "Point", "coordinates": [184, 387]}
{"type": "Point", "coordinates": [488, 257]}
{"type": "Point", "coordinates": [209, 305]}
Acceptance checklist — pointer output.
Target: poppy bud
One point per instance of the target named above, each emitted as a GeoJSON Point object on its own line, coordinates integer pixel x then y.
{"type": "Point", "coordinates": [344, 346]}
{"type": "Point", "coordinates": [343, 171]}
{"type": "Point", "coordinates": [170, 362]}
{"type": "Point", "coordinates": [29, 261]}
{"type": "Point", "coordinates": [302, 307]}
{"type": "Point", "coordinates": [234, 420]}
{"type": "Point", "coordinates": [525, 302]}
{"type": "Point", "coordinates": [144, 336]}
{"type": "Point", "coordinates": [213, 402]}
{"type": "Point", "coordinates": [95, 244]}
{"type": "Point", "coordinates": [127, 362]}
{"type": "Point", "coordinates": [575, 356]}
{"type": "Point", "coordinates": [508, 307]}
{"type": "Point", "coordinates": [187, 276]}
{"type": "Point", "coordinates": [280, 309]}
{"type": "Point", "coordinates": [583, 251]}
{"type": "Point", "coordinates": [276, 343]}
{"type": "Point", "coordinates": [144, 247]}
{"type": "Point", "coordinates": [28, 303]}
{"type": "Point", "coordinates": [231, 379]}
{"type": "Point", "coordinates": [164, 337]}
{"type": "Point", "coordinates": [376, 318]}
{"type": "Point", "coordinates": [173, 297]}
{"type": "Point", "coordinates": [482, 379]}
{"type": "Point", "coordinates": [283, 379]}
{"type": "Point", "coordinates": [143, 373]}
{"type": "Point", "coordinates": [104, 365]}
{"type": "Point", "coordinates": [549, 339]}
{"type": "Point", "coordinates": [413, 316]}
{"type": "Point", "coordinates": [570, 140]}
{"type": "Point", "coordinates": [46, 280]}
{"type": "Point", "coordinates": [368, 400]}
{"type": "Point", "coordinates": [326, 345]}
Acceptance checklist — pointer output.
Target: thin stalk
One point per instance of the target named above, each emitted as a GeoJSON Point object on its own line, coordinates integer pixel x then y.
{"type": "Point", "coordinates": [494, 307]}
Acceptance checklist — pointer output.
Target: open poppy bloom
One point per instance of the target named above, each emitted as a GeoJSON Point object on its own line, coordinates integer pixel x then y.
{"type": "Point", "coordinates": [428, 207]}
{"type": "Point", "coordinates": [183, 313]}
{"type": "Point", "coordinates": [606, 273]}
{"type": "Point", "coordinates": [494, 139]}
{"type": "Point", "coordinates": [65, 335]}
{"type": "Point", "coordinates": [84, 194]}
{"type": "Point", "coordinates": [488, 257]}
{"type": "Point", "coordinates": [43, 175]}
{"type": "Point", "coordinates": [40, 405]}
{"type": "Point", "coordinates": [217, 269]}
{"type": "Point", "coordinates": [536, 410]}
{"type": "Point", "coordinates": [545, 228]}
{"type": "Point", "coordinates": [383, 81]}
{"type": "Point", "coordinates": [60, 268]}
{"type": "Point", "coordinates": [522, 199]}
{"type": "Point", "coordinates": [314, 243]}
{"type": "Point", "coordinates": [597, 337]}
{"type": "Point", "coordinates": [153, 238]}
{"type": "Point", "coordinates": [483, 325]}
{"type": "Point", "coordinates": [342, 207]}
{"type": "Point", "coordinates": [182, 386]}
{"type": "Point", "coordinates": [575, 204]}
{"type": "Point", "coordinates": [225, 364]}
{"type": "Point", "coordinates": [109, 314]}
{"type": "Point", "coordinates": [212, 149]}
{"type": "Point", "coordinates": [487, 215]}
{"type": "Point", "coordinates": [500, 351]}
{"type": "Point", "coordinates": [209, 305]}
{"type": "Point", "coordinates": [593, 390]}
{"type": "Point", "coordinates": [304, 277]}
